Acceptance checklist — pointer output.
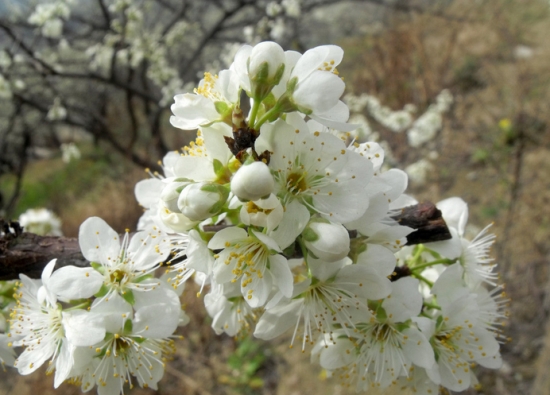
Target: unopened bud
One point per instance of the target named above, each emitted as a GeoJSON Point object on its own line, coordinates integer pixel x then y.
{"type": "Point", "coordinates": [266, 65]}
{"type": "Point", "coordinates": [202, 200]}
{"type": "Point", "coordinates": [327, 240]}
{"type": "Point", "coordinates": [170, 195]}
{"type": "Point", "coordinates": [252, 182]}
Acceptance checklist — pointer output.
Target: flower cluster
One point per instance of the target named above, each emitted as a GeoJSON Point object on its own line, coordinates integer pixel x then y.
{"type": "Point", "coordinates": [290, 229]}
{"type": "Point", "coordinates": [99, 325]}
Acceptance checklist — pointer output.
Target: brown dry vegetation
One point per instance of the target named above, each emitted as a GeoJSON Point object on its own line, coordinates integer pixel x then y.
{"type": "Point", "coordinates": [504, 175]}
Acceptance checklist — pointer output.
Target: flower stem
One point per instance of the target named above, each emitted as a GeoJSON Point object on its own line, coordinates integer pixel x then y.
{"type": "Point", "coordinates": [254, 112]}
{"type": "Point", "coordinates": [433, 263]}
{"type": "Point", "coordinates": [267, 116]}
{"type": "Point", "coordinates": [423, 279]}
{"type": "Point", "coordinates": [431, 306]}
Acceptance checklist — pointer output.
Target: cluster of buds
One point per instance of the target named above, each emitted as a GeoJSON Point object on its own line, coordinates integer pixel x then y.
{"type": "Point", "coordinates": [289, 228]}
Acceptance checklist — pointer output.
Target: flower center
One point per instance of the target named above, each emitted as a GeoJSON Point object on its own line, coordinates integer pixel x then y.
{"type": "Point", "coordinates": [296, 183]}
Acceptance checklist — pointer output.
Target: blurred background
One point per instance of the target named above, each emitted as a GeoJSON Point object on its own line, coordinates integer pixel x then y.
{"type": "Point", "coordinates": [457, 91]}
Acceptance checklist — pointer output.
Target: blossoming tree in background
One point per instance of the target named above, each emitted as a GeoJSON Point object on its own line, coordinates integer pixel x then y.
{"type": "Point", "coordinates": [289, 226]}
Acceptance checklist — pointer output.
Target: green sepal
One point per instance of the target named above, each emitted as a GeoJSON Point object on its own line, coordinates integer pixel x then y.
{"type": "Point", "coordinates": [439, 322]}
{"type": "Point", "coordinates": [98, 267]}
{"type": "Point", "coordinates": [104, 290]}
{"type": "Point", "coordinates": [128, 326]}
{"type": "Point", "coordinates": [142, 278]}
{"type": "Point", "coordinates": [401, 326]}
{"type": "Point", "coordinates": [279, 74]}
{"type": "Point", "coordinates": [291, 85]}
{"type": "Point", "coordinates": [182, 179]}
{"type": "Point", "coordinates": [309, 235]}
{"type": "Point", "coordinates": [210, 188]}
{"type": "Point", "coordinates": [222, 108]}
{"type": "Point", "coordinates": [290, 250]}
{"type": "Point", "coordinates": [128, 296]}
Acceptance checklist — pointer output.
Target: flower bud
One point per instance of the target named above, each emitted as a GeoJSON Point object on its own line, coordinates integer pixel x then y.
{"type": "Point", "coordinates": [170, 195]}
{"type": "Point", "coordinates": [327, 240]}
{"type": "Point", "coordinates": [202, 200]}
{"type": "Point", "coordinates": [266, 65]}
{"type": "Point", "coordinates": [252, 182]}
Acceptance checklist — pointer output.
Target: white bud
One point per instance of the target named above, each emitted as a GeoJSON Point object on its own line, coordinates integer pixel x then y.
{"type": "Point", "coordinates": [170, 195]}
{"type": "Point", "coordinates": [252, 182]}
{"type": "Point", "coordinates": [201, 200]}
{"type": "Point", "coordinates": [328, 241]}
{"type": "Point", "coordinates": [266, 65]}
{"type": "Point", "coordinates": [267, 52]}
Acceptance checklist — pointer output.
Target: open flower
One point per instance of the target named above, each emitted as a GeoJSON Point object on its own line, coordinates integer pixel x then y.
{"type": "Point", "coordinates": [121, 266]}
{"type": "Point", "coordinates": [254, 260]}
{"type": "Point", "coordinates": [213, 101]}
{"type": "Point", "coordinates": [315, 169]}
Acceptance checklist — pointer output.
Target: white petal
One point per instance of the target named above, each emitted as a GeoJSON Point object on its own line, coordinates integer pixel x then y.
{"type": "Point", "coordinates": [71, 282]}
{"type": "Point", "coordinates": [295, 219]}
{"type": "Point", "coordinates": [63, 363]}
{"type": "Point", "coordinates": [148, 192]}
{"type": "Point", "coordinates": [337, 355]}
{"type": "Point", "coordinates": [226, 235]}
{"type": "Point", "coordinates": [83, 328]}
{"type": "Point", "coordinates": [405, 301]}
{"type": "Point", "coordinates": [197, 168]}
{"type": "Point", "coordinates": [191, 111]}
{"type": "Point", "coordinates": [98, 241]}
{"type": "Point", "coordinates": [418, 349]}
{"type": "Point", "coordinates": [455, 213]}
{"type": "Point", "coordinates": [282, 274]}
{"type": "Point", "coordinates": [277, 320]}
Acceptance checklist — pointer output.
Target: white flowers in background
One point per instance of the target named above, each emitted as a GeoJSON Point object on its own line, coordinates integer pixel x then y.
{"type": "Point", "coordinates": [56, 112]}
{"type": "Point", "coordinates": [49, 17]}
{"type": "Point", "coordinates": [5, 60]}
{"type": "Point", "coordinates": [69, 152]}
{"type": "Point", "coordinates": [428, 124]}
{"type": "Point", "coordinates": [418, 172]}
{"type": "Point", "coordinates": [292, 8]}
{"type": "Point", "coordinates": [41, 221]}
{"type": "Point", "coordinates": [5, 88]}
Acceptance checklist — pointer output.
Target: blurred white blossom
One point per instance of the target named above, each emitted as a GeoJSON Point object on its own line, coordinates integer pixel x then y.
{"type": "Point", "coordinates": [41, 221]}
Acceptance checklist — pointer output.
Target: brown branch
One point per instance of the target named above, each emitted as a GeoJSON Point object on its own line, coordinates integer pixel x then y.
{"type": "Point", "coordinates": [28, 253]}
